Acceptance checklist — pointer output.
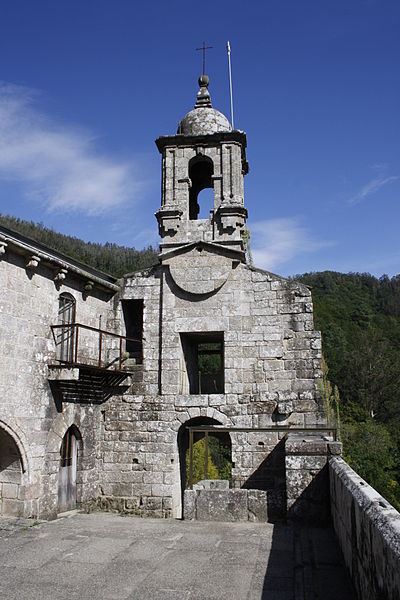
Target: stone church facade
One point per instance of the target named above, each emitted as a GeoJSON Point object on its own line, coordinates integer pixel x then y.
{"type": "Point", "coordinates": [101, 379]}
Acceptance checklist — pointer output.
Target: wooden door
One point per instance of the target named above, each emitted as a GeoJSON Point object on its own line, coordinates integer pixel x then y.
{"type": "Point", "coordinates": [67, 472]}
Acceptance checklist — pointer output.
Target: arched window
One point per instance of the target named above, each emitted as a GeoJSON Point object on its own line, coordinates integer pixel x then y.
{"type": "Point", "coordinates": [201, 170]}
{"type": "Point", "coordinates": [66, 333]}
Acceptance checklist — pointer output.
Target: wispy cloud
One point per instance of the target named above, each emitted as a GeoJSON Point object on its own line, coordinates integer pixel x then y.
{"type": "Point", "coordinates": [275, 242]}
{"type": "Point", "coordinates": [380, 167]}
{"type": "Point", "coordinates": [57, 164]}
{"type": "Point", "coordinates": [372, 187]}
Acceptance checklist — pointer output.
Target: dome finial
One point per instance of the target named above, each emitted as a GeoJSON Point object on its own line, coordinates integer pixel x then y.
{"type": "Point", "coordinates": [203, 95]}
{"type": "Point", "coordinates": [203, 119]}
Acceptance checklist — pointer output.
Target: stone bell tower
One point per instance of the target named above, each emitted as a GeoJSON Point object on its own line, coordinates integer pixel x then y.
{"type": "Point", "coordinates": [204, 153]}
{"type": "Point", "coordinates": [223, 343]}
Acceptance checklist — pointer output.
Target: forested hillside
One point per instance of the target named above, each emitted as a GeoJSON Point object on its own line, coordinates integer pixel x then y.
{"type": "Point", "coordinates": [359, 317]}
{"type": "Point", "coordinates": [109, 258]}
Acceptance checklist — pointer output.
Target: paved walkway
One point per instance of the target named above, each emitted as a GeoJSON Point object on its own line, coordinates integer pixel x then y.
{"type": "Point", "coordinates": [106, 556]}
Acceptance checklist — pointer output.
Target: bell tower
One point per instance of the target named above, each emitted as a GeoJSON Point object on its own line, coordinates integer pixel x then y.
{"type": "Point", "coordinates": [204, 153]}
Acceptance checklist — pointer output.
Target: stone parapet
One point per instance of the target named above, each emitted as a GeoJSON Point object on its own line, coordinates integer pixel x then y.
{"type": "Point", "coordinates": [368, 530]}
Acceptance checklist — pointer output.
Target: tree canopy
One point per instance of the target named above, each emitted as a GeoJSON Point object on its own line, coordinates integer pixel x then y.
{"type": "Point", "coordinates": [359, 317]}
{"type": "Point", "coordinates": [109, 258]}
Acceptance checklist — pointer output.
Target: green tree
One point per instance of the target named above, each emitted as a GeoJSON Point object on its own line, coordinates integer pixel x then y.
{"type": "Point", "coordinates": [199, 451]}
{"type": "Point", "coordinates": [330, 399]}
{"type": "Point", "coordinates": [371, 452]}
{"type": "Point", "coordinates": [219, 459]}
{"type": "Point", "coordinates": [221, 456]}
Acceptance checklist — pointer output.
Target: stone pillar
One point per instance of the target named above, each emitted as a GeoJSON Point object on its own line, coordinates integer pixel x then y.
{"type": "Point", "coordinates": [307, 479]}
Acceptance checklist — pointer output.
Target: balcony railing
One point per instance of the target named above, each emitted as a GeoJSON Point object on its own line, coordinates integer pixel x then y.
{"type": "Point", "coordinates": [79, 345]}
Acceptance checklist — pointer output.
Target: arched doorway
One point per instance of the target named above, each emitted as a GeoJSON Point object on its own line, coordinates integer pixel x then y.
{"type": "Point", "coordinates": [11, 471]}
{"type": "Point", "coordinates": [70, 452]}
{"type": "Point", "coordinates": [211, 458]}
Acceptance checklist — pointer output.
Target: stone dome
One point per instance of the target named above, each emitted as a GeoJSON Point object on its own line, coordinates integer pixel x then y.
{"type": "Point", "coordinates": [203, 119]}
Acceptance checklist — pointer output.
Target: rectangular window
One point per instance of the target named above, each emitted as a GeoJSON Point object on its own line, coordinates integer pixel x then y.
{"type": "Point", "coordinates": [203, 363]}
{"type": "Point", "coordinates": [133, 318]}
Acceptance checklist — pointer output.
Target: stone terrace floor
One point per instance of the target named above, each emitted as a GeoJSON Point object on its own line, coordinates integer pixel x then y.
{"type": "Point", "coordinates": [106, 556]}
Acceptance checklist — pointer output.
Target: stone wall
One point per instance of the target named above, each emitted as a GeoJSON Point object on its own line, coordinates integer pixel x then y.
{"type": "Point", "coordinates": [272, 360]}
{"type": "Point", "coordinates": [368, 530]}
{"type": "Point", "coordinates": [28, 413]}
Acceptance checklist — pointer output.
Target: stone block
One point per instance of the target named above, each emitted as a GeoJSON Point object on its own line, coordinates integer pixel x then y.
{"type": "Point", "coordinates": [10, 490]}
{"type": "Point", "coordinates": [12, 507]}
{"type": "Point", "coordinates": [212, 484]}
{"type": "Point", "coordinates": [305, 462]}
{"type": "Point", "coordinates": [132, 504]}
{"type": "Point", "coordinates": [335, 448]}
{"type": "Point", "coordinates": [160, 489]}
{"type": "Point", "coordinates": [189, 505]}
{"type": "Point", "coordinates": [228, 505]}
{"type": "Point", "coordinates": [151, 503]}
{"type": "Point", "coordinates": [257, 505]}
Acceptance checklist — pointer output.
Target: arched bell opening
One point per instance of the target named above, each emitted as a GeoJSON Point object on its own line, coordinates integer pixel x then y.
{"type": "Point", "coordinates": [201, 170]}
{"type": "Point", "coordinates": [208, 457]}
{"type": "Point", "coordinates": [70, 458]}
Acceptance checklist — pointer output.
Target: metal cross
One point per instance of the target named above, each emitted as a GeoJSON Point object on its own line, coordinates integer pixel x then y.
{"type": "Point", "coordinates": [204, 48]}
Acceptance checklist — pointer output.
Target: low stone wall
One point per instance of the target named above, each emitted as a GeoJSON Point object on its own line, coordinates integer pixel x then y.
{"type": "Point", "coordinates": [226, 505]}
{"type": "Point", "coordinates": [368, 531]}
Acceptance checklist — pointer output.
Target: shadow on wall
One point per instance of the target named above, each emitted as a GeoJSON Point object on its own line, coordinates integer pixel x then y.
{"type": "Point", "coordinates": [304, 557]}
{"type": "Point", "coordinates": [311, 504]}
{"type": "Point", "coordinates": [270, 476]}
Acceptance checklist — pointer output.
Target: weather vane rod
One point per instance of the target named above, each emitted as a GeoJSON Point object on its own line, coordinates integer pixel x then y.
{"type": "Point", "coordinates": [204, 48]}
{"type": "Point", "coordinates": [228, 49]}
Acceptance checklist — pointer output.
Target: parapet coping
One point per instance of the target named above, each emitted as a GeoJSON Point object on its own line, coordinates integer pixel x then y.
{"type": "Point", "coordinates": [381, 513]}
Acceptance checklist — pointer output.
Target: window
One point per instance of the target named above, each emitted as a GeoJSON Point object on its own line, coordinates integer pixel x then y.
{"type": "Point", "coordinates": [133, 317]}
{"type": "Point", "coordinates": [65, 336]}
{"type": "Point", "coordinates": [203, 363]}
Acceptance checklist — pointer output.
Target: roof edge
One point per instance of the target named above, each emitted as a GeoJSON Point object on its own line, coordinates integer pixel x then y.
{"type": "Point", "coordinates": [27, 245]}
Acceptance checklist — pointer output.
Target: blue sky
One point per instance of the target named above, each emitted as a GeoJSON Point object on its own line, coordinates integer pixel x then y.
{"type": "Point", "coordinates": [87, 86]}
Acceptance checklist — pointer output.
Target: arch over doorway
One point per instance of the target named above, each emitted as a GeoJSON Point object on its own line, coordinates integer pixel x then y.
{"type": "Point", "coordinates": [70, 456]}
{"type": "Point", "coordinates": [12, 490]}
